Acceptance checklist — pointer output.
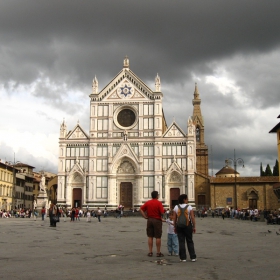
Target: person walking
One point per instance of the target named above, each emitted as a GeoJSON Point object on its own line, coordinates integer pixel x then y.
{"type": "Point", "coordinates": [53, 214]}
{"type": "Point", "coordinates": [99, 213]}
{"type": "Point", "coordinates": [43, 213]}
{"type": "Point", "coordinates": [73, 212]}
{"type": "Point", "coordinates": [88, 216]}
{"type": "Point", "coordinates": [153, 211]}
{"type": "Point", "coordinates": [35, 212]}
{"type": "Point", "coordinates": [185, 231]}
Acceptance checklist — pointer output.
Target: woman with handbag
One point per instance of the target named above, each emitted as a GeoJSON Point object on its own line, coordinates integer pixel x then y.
{"type": "Point", "coordinates": [53, 215]}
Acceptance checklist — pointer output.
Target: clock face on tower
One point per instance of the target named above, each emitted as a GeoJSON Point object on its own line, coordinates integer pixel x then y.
{"type": "Point", "coordinates": [125, 117]}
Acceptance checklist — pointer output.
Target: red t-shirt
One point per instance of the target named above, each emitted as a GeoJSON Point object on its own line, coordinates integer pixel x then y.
{"type": "Point", "coordinates": [153, 208]}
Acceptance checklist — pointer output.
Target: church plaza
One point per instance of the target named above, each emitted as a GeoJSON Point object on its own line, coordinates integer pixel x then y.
{"type": "Point", "coordinates": [117, 249]}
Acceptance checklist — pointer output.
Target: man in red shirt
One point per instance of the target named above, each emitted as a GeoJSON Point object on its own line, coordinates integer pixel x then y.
{"type": "Point", "coordinates": [153, 210]}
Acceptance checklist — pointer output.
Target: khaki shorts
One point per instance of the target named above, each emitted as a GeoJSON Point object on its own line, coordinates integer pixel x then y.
{"type": "Point", "coordinates": [154, 228]}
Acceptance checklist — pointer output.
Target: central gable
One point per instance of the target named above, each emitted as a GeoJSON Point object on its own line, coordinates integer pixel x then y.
{"type": "Point", "coordinates": [124, 91]}
{"type": "Point", "coordinates": [126, 86]}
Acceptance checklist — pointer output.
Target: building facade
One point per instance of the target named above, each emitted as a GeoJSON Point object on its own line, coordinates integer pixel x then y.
{"type": "Point", "coordinates": [276, 186]}
{"type": "Point", "coordinates": [6, 186]}
{"type": "Point", "coordinates": [23, 193]}
{"type": "Point", "coordinates": [129, 150]}
{"type": "Point", "coordinates": [228, 189]}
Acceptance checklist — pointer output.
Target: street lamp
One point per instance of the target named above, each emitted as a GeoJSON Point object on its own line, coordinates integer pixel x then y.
{"type": "Point", "coordinates": [236, 161]}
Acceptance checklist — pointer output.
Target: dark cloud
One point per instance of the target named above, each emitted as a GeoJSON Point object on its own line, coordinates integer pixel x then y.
{"type": "Point", "coordinates": [55, 48]}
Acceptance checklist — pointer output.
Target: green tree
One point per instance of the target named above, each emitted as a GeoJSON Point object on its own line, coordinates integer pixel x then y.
{"type": "Point", "coordinates": [276, 168]}
{"type": "Point", "coordinates": [261, 170]}
{"type": "Point", "coordinates": [268, 171]}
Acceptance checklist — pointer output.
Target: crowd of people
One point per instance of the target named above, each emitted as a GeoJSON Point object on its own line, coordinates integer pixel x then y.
{"type": "Point", "coordinates": [271, 216]}
{"type": "Point", "coordinates": [17, 213]}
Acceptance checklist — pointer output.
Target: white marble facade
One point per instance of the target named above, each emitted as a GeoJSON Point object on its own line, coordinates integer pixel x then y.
{"type": "Point", "coordinates": [129, 150]}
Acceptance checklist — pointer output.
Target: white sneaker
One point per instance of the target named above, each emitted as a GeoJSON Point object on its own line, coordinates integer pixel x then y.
{"type": "Point", "coordinates": [193, 260]}
{"type": "Point", "coordinates": [183, 260]}
{"type": "Point", "coordinates": [169, 254]}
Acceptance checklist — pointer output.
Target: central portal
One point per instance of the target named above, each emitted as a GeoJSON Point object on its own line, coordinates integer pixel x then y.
{"type": "Point", "coordinates": [126, 194]}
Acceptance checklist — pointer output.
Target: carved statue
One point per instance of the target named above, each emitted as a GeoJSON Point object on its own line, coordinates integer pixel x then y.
{"type": "Point", "coordinates": [42, 184]}
{"type": "Point", "coordinates": [125, 135]}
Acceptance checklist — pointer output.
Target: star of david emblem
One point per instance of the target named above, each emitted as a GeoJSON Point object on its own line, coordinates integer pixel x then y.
{"type": "Point", "coordinates": [125, 90]}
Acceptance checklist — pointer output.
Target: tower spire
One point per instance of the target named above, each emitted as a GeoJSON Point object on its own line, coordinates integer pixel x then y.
{"type": "Point", "coordinates": [196, 104]}
{"type": "Point", "coordinates": [201, 148]}
{"type": "Point", "coordinates": [196, 93]}
{"type": "Point", "coordinates": [63, 129]}
{"type": "Point", "coordinates": [95, 86]}
{"type": "Point", "coordinates": [157, 83]}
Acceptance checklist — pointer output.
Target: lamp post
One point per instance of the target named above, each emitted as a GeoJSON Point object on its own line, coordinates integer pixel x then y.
{"type": "Point", "coordinates": [236, 161]}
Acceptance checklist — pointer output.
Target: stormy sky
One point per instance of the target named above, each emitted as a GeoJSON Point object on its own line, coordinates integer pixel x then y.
{"type": "Point", "coordinates": [51, 50]}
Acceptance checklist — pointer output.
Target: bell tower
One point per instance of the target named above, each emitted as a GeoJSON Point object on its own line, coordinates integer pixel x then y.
{"type": "Point", "coordinates": [201, 148]}
{"type": "Point", "coordinates": [202, 183]}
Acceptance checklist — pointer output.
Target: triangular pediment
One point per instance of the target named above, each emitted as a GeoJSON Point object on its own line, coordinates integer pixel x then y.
{"type": "Point", "coordinates": [77, 133]}
{"type": "Point", "coordinates": [77, 173]}
{"type": "Point", "coordinates": [124, 87]}
{"type": "Point", "coordinates": [197, 121]}
{"type": "Point", "coordinates": [174, 131]}
{"type": "Point", "coordinates": [174, 166]}
{"type": "Point", "coordinates": [174, 173]}
{"type": "Point", "coordinates": [125, 151]}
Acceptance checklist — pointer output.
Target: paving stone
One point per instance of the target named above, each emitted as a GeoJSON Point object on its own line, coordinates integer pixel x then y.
{"type": "Point", "coordinates": [117, 249]}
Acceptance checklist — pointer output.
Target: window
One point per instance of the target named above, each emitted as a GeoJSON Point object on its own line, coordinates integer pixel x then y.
{"type": "Point", "coordinates": [148, 109]}
{"type": "Point", "coordinates": [102, 151]}
{"type": "Point", "coordinates": [148, 123]}
{"type": "Point", "coordinates": [148, 164]}
{"type": "Point", "coordinates": [197, 133]}
{"type": "Point", "coordinates": [101, 164]}
{"type": "Point", "coordinates": [103, 111]}
{"type": "Point", "coordinates": [126, 117]}
{"type": "Point", "coordinates": [102, 125]}
{"type": "Point", "coordinates": [174, 149]}
{"type": "Point", "coordinates": [148, 150]}
{"type": "Point", "coordinates": [148, 186]}
{"type": "Point", "coordinates": [101, 187]}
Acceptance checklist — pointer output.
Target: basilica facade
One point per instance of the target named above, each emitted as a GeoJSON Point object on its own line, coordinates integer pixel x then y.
{"type": "Point", "coordinates": [129, 150]}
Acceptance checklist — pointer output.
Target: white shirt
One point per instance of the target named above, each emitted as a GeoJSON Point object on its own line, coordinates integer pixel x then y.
{"type": "Point", "coordinates": [170, 228]}
{"type": "Point", "coordinates": [182, 206]}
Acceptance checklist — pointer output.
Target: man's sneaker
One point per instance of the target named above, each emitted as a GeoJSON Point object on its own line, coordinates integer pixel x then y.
{"type": "Point", "coordinates": [176, 255]}
{"type": "Point", "coordinates": [169, 254]}
{"type": "Point", "coordinates": [193, 260]}
{"type": "Point", "coordinates": [183, 260]}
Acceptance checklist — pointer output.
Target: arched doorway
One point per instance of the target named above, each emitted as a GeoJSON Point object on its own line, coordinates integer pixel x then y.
{"type": "Point", "coordinates": [126, 194]}
{"type": "Point", "coordinates": [174, 194]}
{"type": "Point", "coordinates": [77, 197]}
{"type": "Point", "coordinates": [253, 200]}
{"type": "Point", "coordinates": [252, 195]}
{"type": "Point", "coordinates": [125, 181]}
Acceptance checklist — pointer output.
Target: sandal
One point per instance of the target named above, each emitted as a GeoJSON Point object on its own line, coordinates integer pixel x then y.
{"type": "Point", "coordinates": [150, 254]}
{"type": "Point", "coordinates": [160, 255]}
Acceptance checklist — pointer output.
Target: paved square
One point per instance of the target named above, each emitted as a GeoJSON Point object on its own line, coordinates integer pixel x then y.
{"type": "Point", "coordinates": [117, 249]}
